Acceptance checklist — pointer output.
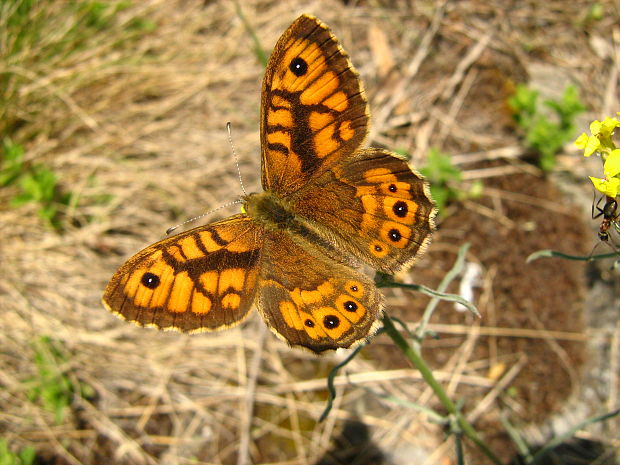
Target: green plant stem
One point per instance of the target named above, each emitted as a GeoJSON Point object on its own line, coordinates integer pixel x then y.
{"type": "Point", "coordinates": [387, 281]}
{"type": "Point", "coordinates": [454, 272]}
{"type": "Point", "coordinates": [260, 52]}
{"type": "Point", "coordinates": [417, 361]}
{"type": "Point", "coordinates": [555, 253]}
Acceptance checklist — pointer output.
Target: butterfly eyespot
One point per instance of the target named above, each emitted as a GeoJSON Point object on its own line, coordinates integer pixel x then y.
{"type": "Point", "coordinates": [331, 321]}
{"type": "Point", "coordinates": [400, 209]}
{"type": "Point", "coordinates": [298, 66]}
{"type": "Point", "coordinates": [309, 323]}
{"type": "Point", "coordinates": [350, 306]}
{"type": "Point", "coordinates": [353, 289]}
{"type": "Point", "coordinates": [392, 188]}
{"type": "Point", "coordinates": [379, 249]}
{"type": "Point", "coordinates": [150, 280]}
{"type": "Point", "coordinates": [394, 235]}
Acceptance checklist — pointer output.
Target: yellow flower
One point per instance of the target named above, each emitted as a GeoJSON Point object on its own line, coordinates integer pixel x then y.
{"type": "Point", "coordinates": [588, 144]}
{"type": "Point", "coordinates": [612, 164]}
{"type": "Point", "coordinates": [601, 138]}
{"type": "Point", "coordinates": [601, 142]}
{"type": "Point", "coordinates": [608, 187]}
{"type": "Point", "coordinates": [606, 128]}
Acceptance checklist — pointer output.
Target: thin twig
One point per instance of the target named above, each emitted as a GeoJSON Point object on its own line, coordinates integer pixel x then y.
{"type": "Point", "coordinates": [414, 357]}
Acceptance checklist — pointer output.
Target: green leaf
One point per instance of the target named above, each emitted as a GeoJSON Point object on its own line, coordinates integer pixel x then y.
{"type": "Point", "coordinates": [12, 162]}
{"type": "Point", "coordinates": [567, 109]}
{"type": "Point", "coordinates": [27, 456]}
{"type": "Point", "coordinates": [47, 181]}
{"type": "Point", "coordinates": [51, 388]}
{"type": "Point", "coordinates": [20, 199]}
{"type": "Point", "coordinates": [439, 171]}
{"type": "Point", "coordinates": [141, 25]}
{"type": "Point", "coordinates": [439, 168]}
{"type": "Point", "coordinates": [523, 104]}
{"type": "Point", "coordinates": [440, 195]}
{"type": "Point", "coordinates": [31, 188]}
{"type": "Point", "coordinates": [546, 133]}
{"type": "Point", "coordinates": [47, 213]}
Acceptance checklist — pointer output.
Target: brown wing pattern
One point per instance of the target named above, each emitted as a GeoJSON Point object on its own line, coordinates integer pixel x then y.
{"type": "Point", "coordinates": [312, 301]}
{"type": "Point", "coordinates": [202, 279]}
{"type": "Point", "coordinates": [314, 111]}
{"type": "Point", "coordinates": [373, 205]}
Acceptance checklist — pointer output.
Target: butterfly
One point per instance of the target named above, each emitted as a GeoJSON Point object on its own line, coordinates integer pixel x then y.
{"type": "Point", "coordinates": [328, 206]}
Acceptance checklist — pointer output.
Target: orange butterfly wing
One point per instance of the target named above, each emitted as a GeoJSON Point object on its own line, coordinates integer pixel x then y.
{"type": "Point", "coordinates": [312, 300]}
{"type": "Point", "coordinates": [314, 112]}
{"type": "Point", "coordinates": [375, 206]}
{"type": "Point", "coordinates": [200, 280]}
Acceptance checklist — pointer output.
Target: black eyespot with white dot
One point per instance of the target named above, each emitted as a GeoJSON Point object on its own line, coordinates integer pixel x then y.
{"type": "Point", "coordinates": [400, 209]}
{"type": "Point", "coordinates": [392, 188]}
{"type": "Point", "coordinates": [150, 280]}
{"type": "Point", "coordinates": [350, 306]}
{"type": "Point", "coordinates": [309, 323]}
{"type": "Point", "coordinates": [298, 66]}
{"type": "Point", "coordinates": [354, 288]}
{"type": "Point", "coordinates": [331, 321]}
{"type": "Point", "coordinates": [378, 248]}
{"type": "Point", "coordinates": [394, 235]}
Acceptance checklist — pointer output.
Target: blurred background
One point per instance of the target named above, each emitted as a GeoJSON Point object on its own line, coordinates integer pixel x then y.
{"type": "Point", "coordinates": [113, 123]}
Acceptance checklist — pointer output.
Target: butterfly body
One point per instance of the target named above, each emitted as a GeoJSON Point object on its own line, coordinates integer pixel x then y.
{"type": "Point", "coordinates": [269, 210]}
{"type": "Point", "coordinates": [328, 205]}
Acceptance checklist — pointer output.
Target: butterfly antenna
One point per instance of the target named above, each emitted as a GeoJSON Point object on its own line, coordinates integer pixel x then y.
{"type": "Point", "coordinates": [236, 202]}
{"type": "Point", "coordinates": [234, 152]}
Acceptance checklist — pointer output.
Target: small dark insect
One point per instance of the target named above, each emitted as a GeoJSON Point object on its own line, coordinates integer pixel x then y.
{"type": "Point", "coordinates": [611, 217]}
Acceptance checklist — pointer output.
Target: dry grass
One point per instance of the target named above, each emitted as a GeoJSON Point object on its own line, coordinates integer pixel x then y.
{"type": "Point", "coordinates": [144, 123]}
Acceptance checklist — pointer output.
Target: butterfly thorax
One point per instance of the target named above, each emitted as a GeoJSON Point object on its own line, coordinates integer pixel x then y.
{"type": "Point", "coordinates": [277, 214]}
{"type": "Point", "coordinates": [269, 210]}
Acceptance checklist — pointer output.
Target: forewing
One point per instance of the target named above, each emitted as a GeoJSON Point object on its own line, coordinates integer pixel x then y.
{"type": "Point", "coordinates": [313, 111]}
